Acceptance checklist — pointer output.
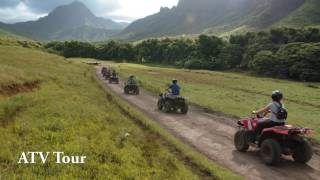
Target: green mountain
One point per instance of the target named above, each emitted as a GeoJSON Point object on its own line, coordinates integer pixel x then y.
{"type": "Point", "coordinates": [220, 16]}
{"type": "Point", "coordinates": [73, 21]}
{"type": "Point", "coordinates": [306, 15]}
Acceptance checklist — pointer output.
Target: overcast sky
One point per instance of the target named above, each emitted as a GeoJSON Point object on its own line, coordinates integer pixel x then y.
{"type": "Point", "coordinates": [119, 10]}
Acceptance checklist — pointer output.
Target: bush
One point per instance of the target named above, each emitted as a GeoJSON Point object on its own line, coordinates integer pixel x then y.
{"type": "Point", "coordinates": [194, 64]}
{"type": "Point", "coordinates": [264, 63]}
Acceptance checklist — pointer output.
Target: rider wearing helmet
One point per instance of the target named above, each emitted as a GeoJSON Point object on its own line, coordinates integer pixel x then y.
{"type": "Point", "coordinates": [131, 80]}
{"type": "Point", "coordinates": [275, 108]}
{"type": "Point", "coordinates": [114, 73]}
{"type": "Point", "coordinates": [174, 88]}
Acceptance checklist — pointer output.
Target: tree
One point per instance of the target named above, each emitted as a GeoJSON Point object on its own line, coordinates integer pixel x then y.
{"type": "Point", "coordinates": [232, 56]}
{"type": "Point", "coordinates": [264, 63]}
{"type": "Point", "coordinates": [209, 46]}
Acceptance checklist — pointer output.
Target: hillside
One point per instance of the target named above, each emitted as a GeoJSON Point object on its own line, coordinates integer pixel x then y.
{"type": "Point", "coordinates": [73, 21]}
{"type": "Point", "coordinates": [306, 15]}
{"type": "Point", "coordinates": [50, 104]}
{"type": "Point", "coordinates": [10, 39]}
{"type": "Point", "coordinates": [220, 16]}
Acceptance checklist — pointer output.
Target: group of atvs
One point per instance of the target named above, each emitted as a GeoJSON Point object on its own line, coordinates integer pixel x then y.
{"type": "Point", "coordinates": [167, 102]}
{"type": "Point", "coordinates": [272, 142]}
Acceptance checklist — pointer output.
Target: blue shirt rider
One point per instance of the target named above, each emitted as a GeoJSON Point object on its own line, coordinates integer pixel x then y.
{"type": "Point", "coordinates": [175, 88]}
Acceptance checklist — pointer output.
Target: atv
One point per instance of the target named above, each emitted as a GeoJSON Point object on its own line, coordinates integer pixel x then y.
{"type": "Point", "coordinates": [170, 103]}
{"type": "Point", "coordinates": [275, 141]}
{"type": "Point", "coordinates": [114, 79]}
{"type": "Point", "coordinates": [132, 88]}
{"type": "Point", "coordinates": [106, 73]}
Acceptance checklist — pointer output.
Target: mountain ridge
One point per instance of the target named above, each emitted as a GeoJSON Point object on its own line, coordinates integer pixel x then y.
{"type": "Point", "coordinates": [62, 21]}
{"type": "Point", "coordinates": [214, 16]}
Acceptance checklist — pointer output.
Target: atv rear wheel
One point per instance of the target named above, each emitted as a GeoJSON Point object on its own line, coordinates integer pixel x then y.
{"type": "Point", "coordinates": [126, 90]}
{"type": "Point", "coordinates": [270, 152]}
{"type": "Point", "coordinates": [241, 141]}
{"type": "Point", "coordinates": [303, 152]}
{"type": "Point", "coordinates": [184, 109]}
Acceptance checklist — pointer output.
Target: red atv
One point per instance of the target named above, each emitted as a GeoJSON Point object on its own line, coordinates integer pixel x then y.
{"type": "Point", "coordinates": [275, 141]}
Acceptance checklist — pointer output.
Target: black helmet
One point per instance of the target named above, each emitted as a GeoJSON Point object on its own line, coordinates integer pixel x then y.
{"type": "Point", "coordinates": [174, 81]}
{"type": "Point", "coordinates": [131, 76]}
{"type": "Point", "coordinates": [276, 95]}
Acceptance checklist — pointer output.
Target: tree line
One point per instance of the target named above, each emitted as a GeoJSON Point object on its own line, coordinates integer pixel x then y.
{"type": "Point", "coordinates": [281, 52]}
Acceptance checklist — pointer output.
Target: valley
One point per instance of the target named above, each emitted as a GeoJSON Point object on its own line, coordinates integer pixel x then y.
{"type": "Point", "coordinates": [61, 117]}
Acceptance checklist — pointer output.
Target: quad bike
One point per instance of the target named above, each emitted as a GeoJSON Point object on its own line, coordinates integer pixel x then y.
{"type": "Point", "coordinates": [132, 88]}
{"type": "Point", "coordinates": [274, 141]}
{"type": "Point", "coordinates": [169, 103]}
{"type": "Point", "coordinates": [106, 73]}
{"type": "Point", "coordinates": [114, 79]}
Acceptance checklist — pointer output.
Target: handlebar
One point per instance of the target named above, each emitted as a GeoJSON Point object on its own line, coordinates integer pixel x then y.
{"type": "Point", "coordinates": [254, 114]}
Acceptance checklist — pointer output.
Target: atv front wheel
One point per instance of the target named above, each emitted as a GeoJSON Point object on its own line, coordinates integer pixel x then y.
{"type": "Point", "coordinates": [303, 152]}
{"type": "Point", "coordinates": [160, 105]}
{"type": "Point", "coordinates": [270, 152]}
{"type": "Point", "coordinates": [241, 141]}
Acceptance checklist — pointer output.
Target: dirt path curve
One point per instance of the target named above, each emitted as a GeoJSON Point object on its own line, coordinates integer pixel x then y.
{"type": "Point", "coordinates": [212, 135]}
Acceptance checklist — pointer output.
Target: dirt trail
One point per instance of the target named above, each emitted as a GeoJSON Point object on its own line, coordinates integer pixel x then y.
{"type": "Point", "coordinates": [212, 135]}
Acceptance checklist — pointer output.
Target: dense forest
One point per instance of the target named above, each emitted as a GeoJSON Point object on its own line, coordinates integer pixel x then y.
{"type": "Point", "coordinates": [281, 52]}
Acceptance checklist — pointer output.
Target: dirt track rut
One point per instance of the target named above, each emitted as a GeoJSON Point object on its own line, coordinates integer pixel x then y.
{"type": "Point", "coordinates": [212, 135]}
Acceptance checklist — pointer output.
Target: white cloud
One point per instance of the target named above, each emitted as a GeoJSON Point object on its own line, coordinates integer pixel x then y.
{"type": "Point", "coordinates": [133, 9]}
{"type": "Point", "coordinates": [18, 13]}
{"type": "Point", "coordinates": [119, 10]}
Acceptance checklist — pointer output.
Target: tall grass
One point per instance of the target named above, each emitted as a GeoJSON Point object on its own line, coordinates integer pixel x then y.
{"type": "Point", "coordinates": [70, 113]}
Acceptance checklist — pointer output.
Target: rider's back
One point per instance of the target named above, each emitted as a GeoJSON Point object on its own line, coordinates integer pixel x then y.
{"type": "Point", "coordinates": [175, 89]}
{"type": "Point", "coordinates": [274, 107]}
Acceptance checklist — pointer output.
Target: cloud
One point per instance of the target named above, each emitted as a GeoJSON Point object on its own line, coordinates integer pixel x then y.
{"type": "Point", "coordinates": [9, 3]}
{"type": "Point", "coordinates": [134, 9]}
{"type": "Point", "coordinates": [97, 6]}
{"type": "Point", "coordinates": [45, 6]}
{"type": "Point", "coordinates": [20, 12]}
{"type": "Point", "coordinates": [120, 10]}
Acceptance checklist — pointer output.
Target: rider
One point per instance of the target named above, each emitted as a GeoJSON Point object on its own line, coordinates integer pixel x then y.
{"type": "Point", "coordinates": [131, 80]}
{"type": "Point", "coordinates": [114, 73]}
{"type": "Point", "coordinates": [175, 88]}
{"type": "Point", "coordinates": [272, 108]}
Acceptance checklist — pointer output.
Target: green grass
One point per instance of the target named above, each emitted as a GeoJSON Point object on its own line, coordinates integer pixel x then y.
{"type": "Point", "coordinates": [9, 39]}
{"type": "Point", "coordinates": [232, 93]}
{"type": "Point", "coordinates": [70, 112]}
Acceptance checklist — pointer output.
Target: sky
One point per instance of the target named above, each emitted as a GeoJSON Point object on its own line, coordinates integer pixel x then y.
{"type": "Point", "coordinates": [12, 11]}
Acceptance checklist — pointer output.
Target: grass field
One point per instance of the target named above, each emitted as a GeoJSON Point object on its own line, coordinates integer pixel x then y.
{"type": "Point", "coordinates": [9, 39]}
{"type": "Point", "coordinates": [232, 93]}
{"type": "Point", "coordinates": [50, 104]}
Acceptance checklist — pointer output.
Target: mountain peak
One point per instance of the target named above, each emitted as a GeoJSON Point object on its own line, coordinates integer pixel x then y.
{"type": "Point", "coordinates": [70, 21]}
{"type": "Point", "coordinates": [76, 8]}
{"type": "Point", "coordinates": [78, 4]}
